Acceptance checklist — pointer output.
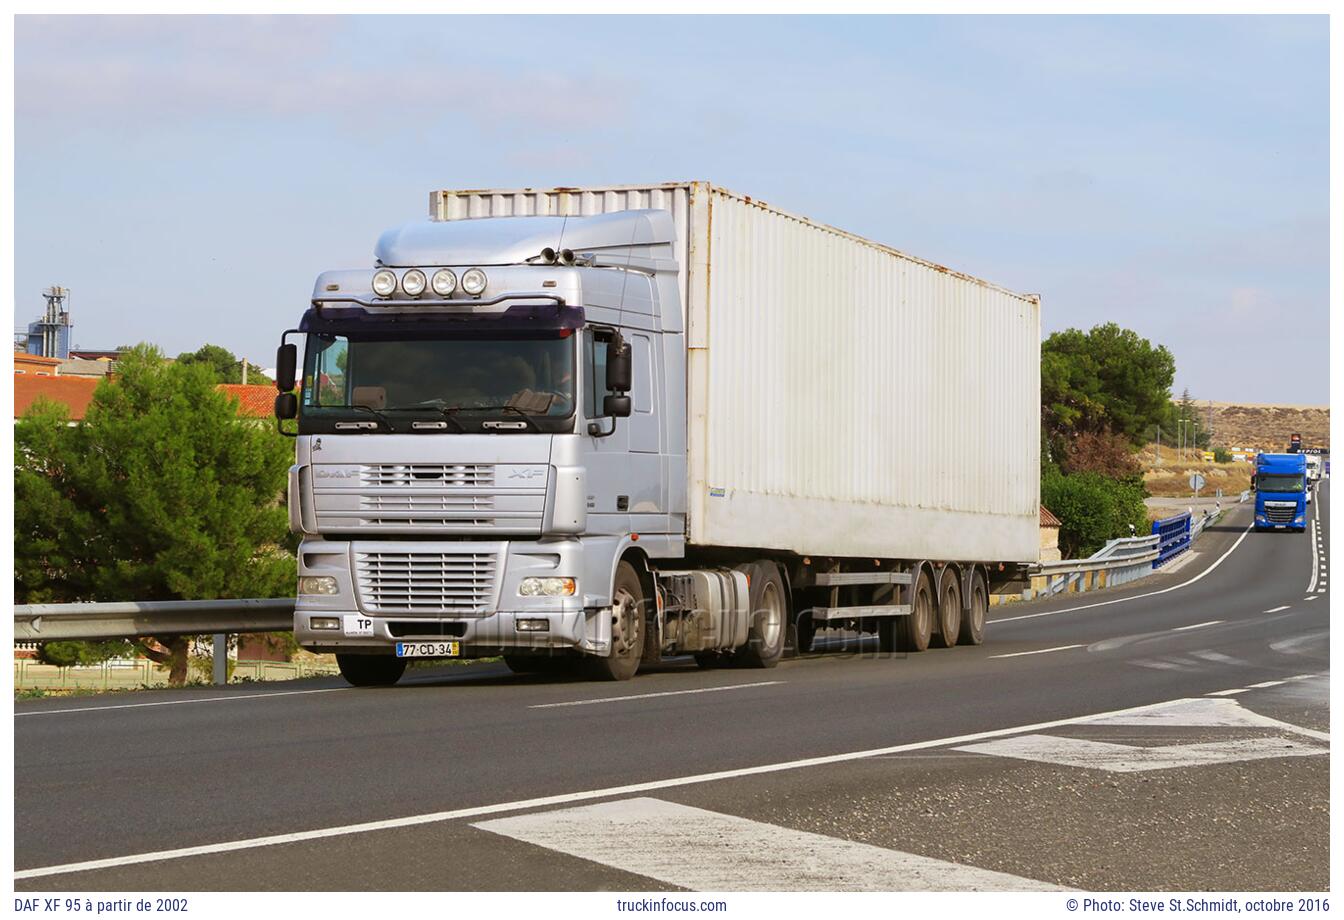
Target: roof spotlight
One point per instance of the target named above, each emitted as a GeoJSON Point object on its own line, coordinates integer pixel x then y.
{"type": "Point", "coordinates": [384, 283]}
{"type": "Point", "coordinates": [473, 281]}
{"type": "Point", "coordinates": [548, 256]}
{"type": "Point", "coordinates": [566, 257]}
{"type": "Point", "coordinates": [413, 282]}
{"type": "Point", "coordinates": [444, 282]}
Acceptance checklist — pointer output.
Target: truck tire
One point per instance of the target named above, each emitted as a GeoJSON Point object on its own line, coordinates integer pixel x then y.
{"type": "Point", "coordinates": [977, 608]}
{"type": "Point", "coordinates": [371, 670]}
{"type": "Point", "coordinates": [627, 626]}
{"type": "Point", "coordinates": [915, 629]}
{"type": "Point", "coordinates": [769, 616]}
{"type": "Point", "coordinates": [949, 609]}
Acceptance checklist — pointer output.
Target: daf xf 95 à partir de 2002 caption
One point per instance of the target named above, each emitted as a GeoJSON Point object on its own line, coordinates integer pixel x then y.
{"type": "Point", "coordinates": [596, 427]}
{"type": "Point", "coordinates": [1280, 484]}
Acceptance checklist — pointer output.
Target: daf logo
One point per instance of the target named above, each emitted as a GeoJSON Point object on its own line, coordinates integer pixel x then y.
{"type": "Point", "coordinates": [335, 474]}
{"type": "Point", "coordinates": [527, 472]}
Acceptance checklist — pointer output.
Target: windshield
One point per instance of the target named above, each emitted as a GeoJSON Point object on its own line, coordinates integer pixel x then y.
{"type": "Point", "coordinates": [425, 385]}
{"type": "Point", "coordinates": [1270, 482]}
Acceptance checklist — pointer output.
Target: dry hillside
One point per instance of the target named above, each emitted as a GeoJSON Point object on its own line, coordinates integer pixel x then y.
{"type": "Point", "coordinates": [1265, 427]}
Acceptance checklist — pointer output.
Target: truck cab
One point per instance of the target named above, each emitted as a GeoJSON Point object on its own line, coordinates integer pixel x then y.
{"type": "Point", "coordinates": [1280, 484]}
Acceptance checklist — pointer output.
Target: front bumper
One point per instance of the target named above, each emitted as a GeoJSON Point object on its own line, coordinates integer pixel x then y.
{"type": "Point", "coordinates": [485, 623]}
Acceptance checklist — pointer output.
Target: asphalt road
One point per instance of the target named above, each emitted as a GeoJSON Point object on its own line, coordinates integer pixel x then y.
{"type": "Point", "coordinates": [994, 767]}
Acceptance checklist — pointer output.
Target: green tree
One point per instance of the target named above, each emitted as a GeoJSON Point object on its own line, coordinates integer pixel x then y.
{"type": "Point", "coordinates": [1106, 380]}
{"type": "Point", "coordinates": [160, 494]}
{"type": "Point", "coordinates": [223, 365]}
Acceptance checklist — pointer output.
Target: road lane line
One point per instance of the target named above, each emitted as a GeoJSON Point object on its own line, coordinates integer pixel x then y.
{"type": "Point", "coordinates": [1136, 597]}
{"type": "Point", "coordinates": [1267, 683]}
{"type": "Point", "coordinates": [1227, 692]}
{"type": "Point", "coordinates": [702, 850]}
{"type": "Point", "coordinates": [1198, 625]}
{"type": "Point", "coordinates": [438, 817]}
{"type": "Point", "coordinates": [649, 696]}
{"type": "Point", "coordinates": [213, 699]}
{"type": "Point", "coordinates": [1312, 598]}
{"type": "Point", "coordinates": [1315, 531]}
{"type": "Point", "coordinates": [1277, 609]}
{"type": "Point", "coordinates": [1039, 651]}
{"type": "Point", "coordinates": [1124, 758]}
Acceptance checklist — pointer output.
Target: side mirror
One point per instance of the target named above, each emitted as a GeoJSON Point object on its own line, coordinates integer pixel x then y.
{"type": "Point", "coordinates": [618, 367]}
{"type": "Point", "coordinates": [286, 359]}
{"type": "Point", "coordinates": [286, 406]}
{"type": "Point", "coordinates": [1252, 483]}
{"type": "Point", "coordinates": [616, 406]}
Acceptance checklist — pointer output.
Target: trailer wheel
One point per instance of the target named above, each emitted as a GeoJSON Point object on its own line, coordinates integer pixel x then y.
{"type": "Point", "coordinates": [627, 627]}
{"type": "Point", "coordinates": [769, 616]}
{"type": "Point", "coordinates": [371, 670]}
{"type": "Point", "coordinates": [977, 608]}
{"type": "Point", "coordinates": [949, 609]}
{"type": "Point", "coordinates": [915, 628]}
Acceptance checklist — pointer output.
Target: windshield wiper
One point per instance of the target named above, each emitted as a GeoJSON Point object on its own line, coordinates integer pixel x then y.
{"type": "Point", "coordinates": [530, 419]}
{"type": "Point", "coordinates": [446, 412]}
{"type": "Point", "coordinates": [374, 412]}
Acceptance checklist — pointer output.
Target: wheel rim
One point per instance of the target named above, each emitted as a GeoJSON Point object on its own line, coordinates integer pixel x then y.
{"type": "Point", "coordinates": [923, 610]}
{"type": "Point", "coordinates": [978, 607]}
{"type": "Point", "coordinates": [949, 619]}
{"type": "Point", "coordinates": [624, 623]}
{"type": "Point", "coordinates": [771, 617]}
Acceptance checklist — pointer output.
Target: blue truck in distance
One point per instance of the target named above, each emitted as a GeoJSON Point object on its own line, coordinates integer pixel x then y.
{"type": "Point", "coordinates": [1280, 485]}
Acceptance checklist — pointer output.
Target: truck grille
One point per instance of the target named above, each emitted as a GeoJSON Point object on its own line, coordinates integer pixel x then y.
{"type": "Point", "coordinates": [1280, 514]}
{"type": "Point", "coordinates": [427, 582]}
{"type": "Point", "coordinates": [428, 474]}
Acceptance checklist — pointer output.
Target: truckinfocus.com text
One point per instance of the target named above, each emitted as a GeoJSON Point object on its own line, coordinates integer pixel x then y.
{"type": "Point", "coordinates": [670, 905]}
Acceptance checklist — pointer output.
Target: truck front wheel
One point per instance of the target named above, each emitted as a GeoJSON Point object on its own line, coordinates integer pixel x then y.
{"type": "Point", "coordinates": [627, 626]}
{"type": "Point", "coordinates": [371, 670]}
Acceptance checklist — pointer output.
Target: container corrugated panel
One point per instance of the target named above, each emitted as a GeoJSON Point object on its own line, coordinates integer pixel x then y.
{"type": "Point", "coordinates": [843, 398]}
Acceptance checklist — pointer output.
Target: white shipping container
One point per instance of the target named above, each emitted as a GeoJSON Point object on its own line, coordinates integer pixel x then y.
{"type": "Point", "coordinates": [844, 398]}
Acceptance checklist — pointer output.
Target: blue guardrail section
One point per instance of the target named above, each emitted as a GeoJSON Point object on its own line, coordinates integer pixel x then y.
{"type": "Point", "coordinates": [1173, 537]}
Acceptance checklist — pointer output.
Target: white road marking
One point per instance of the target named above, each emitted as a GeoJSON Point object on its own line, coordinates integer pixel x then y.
{"type": "Point", "coordinates": [436, 817]}
{"type": "Point", "coordinates": [212, 699]}
{"type": "Point", "coordinates": [1315, 530]}
{"type": "Point", "coordinates": [1277, 609]}
{"type": "Point", "coordinates": [1158, 664]}
{"type": "Point", "coordinates": [648, 696]}
{"type": "Point", "coordinates": [1201, 712]}
{"type": "Point", "coordinates": [1039, 651]}
{"type": "Point", "coordinates": [1290, 645]}
{"type": "Point", "coordinates": [1267, 683]}
{"type": "Point", "coordinates": [1228, 692]}
{"type": "Point", "coordinates": [1198, 625]}
{"type": "Point", "coordinates": [1312, 598]}
{"type": "Point", "coordinates": [1122, 600]}
{"type": "Point", "coordinates": [704, 850]}
{"type": "Point", "coordinates": [1211, 655]}
{"type": "Point", "coordinates": [1124, 758]}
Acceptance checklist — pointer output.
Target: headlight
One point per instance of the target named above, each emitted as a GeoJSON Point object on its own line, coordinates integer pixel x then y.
{"type": "Point", "coordinates": [444, 282]}
{"type": "Point", "coordinates": [317, 584]}
{"type": "Point", "coordinates": [473, 281]}
{"type": "Point", "coordinates": [546, 587]}
{"type": "Point", "coordinates": [384, 283]}
{"type": "Point", "coordinates": [413, 282]}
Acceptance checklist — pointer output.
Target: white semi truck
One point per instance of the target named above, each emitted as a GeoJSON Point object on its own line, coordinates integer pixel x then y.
{"type": "Point", "coordinates": [595, 427]}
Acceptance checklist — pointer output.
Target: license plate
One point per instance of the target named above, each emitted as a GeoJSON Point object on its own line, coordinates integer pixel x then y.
{"type": "Point", "coordinates": [429, 649]}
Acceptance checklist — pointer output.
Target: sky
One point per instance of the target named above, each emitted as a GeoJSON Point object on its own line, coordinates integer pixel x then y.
{"type": "Point", "coordinates": [187, 177]}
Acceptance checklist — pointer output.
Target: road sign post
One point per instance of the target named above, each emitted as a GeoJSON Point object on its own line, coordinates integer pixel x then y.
{"type": "Point", "coordinates": [1196, 483]}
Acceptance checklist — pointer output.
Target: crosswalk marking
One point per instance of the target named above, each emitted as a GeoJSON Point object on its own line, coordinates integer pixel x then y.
{"type": "Point", "coordinates": [709, 851]}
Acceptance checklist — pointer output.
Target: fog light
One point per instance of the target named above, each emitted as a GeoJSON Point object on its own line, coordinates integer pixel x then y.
{"type": "Point", "coordinates": [325, 623]}
{"type": "Point", "coordinates": [533, 625]}
{"type": "Point", "coordinates": [317, 584]}
{"type": "Point", "coordinates": [444, 282]}
{"type": "Point", "coordinates": [546, 587]}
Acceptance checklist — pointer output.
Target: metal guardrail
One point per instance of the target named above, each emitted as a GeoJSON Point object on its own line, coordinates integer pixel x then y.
{"type": "Point", "coordinates": [51, 622]}
{"type": "Point", "coordinates": [1173, 535]}
{"type": "Point", "coordinates": [1121, 560]}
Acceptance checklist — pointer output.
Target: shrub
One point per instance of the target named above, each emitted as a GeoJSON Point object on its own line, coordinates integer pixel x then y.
{"type": "Point", "coordinates": [1221, 455]}
{"type": "Point", "coordinates": [1092, 509]}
